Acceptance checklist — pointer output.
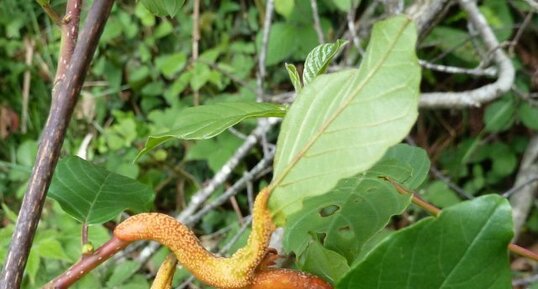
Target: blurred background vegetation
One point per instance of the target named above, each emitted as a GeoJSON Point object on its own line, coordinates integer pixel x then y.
{"type": "Point", "coordinates": [143, 76]}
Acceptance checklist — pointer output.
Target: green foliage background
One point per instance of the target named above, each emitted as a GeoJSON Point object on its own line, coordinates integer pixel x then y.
{"type": "Point", "coordinates": [142, 78]}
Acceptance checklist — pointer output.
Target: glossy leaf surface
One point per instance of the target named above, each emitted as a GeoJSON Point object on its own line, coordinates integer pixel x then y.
{"type": "Point", "coordinates": [94, 195]}
{"type": "Point", "coordinates": [465, 247]}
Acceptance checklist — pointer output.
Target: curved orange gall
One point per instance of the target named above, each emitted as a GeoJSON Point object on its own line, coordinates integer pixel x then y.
{"type": "Point", "coordinates": [234, 272]}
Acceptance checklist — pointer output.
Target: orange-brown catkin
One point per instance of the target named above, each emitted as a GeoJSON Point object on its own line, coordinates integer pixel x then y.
{"type": "Point", "coordinates": [286, 279]}
{"type": "Point", "coordinates": [236, 271]}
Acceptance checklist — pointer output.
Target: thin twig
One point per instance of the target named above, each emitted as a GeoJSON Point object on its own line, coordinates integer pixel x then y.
{"type": "Point", "coordinates": [54, 16]}
{"type": "Point", "coordinates": [519, 33]}
{"type": "Point", "coordinates": [353, 30]}
{"type": "Point", "coordinates": [195, 43]}
{"type": "Point", "coordinates": [50, 146]}
{"type": "Point", "coordinates": [269, 8]}
{"type": "Point", "coordinates": [317, 23]}
{"type": "Point", "coordinates": [487, 92]}
{"type": "Point", "coordinates": [490, 71]}
{"type": "Point", "coordinates": [523, 198]}
{"type": "Point", "coordinates": [29, 46]}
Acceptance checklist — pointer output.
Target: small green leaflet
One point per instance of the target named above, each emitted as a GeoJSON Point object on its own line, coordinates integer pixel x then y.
{"type": "Point", "coordinates": [318, 59]}
{"type": "Point", "coordinates": [207, 121]}
{"type": "Point", "coordinates": [465, 247]}
{"type": "Point", "coordinates": [163, 7]}
{"type": "Point", "coordinates": [94, 195]}
{"type": "Point", "coordinates": [294, 77]}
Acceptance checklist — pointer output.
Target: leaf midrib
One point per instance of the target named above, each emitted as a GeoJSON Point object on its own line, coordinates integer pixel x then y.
{"type": "Point", "coordinates": [92, 204]}
{"type": "Point", "coordinates": [345, 104]}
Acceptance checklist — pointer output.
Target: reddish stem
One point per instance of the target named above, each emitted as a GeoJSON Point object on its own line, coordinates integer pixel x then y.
{"type": "Point", "coordinates": [87, 263]}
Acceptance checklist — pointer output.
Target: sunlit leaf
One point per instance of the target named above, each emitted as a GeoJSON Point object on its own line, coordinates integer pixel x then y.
{"type": "Point", "coordinates": [207, 121]}
{"type": "Point", "coordinates": [342, 123]}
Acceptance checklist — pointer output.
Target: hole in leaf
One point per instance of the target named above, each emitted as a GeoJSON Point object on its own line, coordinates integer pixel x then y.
{"type": "Point", "coordinates": [329, 210]}
{"type": "Point", "coordinates": [321, 237]}
{"type": "Point", "coordinates": [346, 232]}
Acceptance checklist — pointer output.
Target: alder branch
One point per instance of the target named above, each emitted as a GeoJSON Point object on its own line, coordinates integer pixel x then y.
{"type": "Point", "coordinates": [487, 92]}
{"type": "Point", "coordinates": [50, 146]}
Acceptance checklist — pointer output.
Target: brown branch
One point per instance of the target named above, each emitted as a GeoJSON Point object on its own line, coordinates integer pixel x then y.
{"type": "Point", "coordinates": [50, 146]}
{"type": "Point", "coordinates": [69, 25]}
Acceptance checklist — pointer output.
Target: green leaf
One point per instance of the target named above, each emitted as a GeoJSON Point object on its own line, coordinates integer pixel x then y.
{"type": "Point", "coordinates": [216, 151]}
{"type": "Point", "coordinates": [465, 247]}
{"type": "Point", "coordinates": [319, 58]}
{"type": "Point", "coordinates": [439, 194]}
{"type": "Point", "coordinates": [528, 115]}
{"type": "Point", "coordinates": [171, 64]}
{"type": "Point", "coordinates": [163, 7]}
{"type": "Point", "coordinates": [358, 207]}
{"type": "Point", "coordinates": [50, 249]}
{"type": "Point", "coordinates": [122, 273]}
{"type": "Point", "coordinates": [323, 262]}
{"type": "Point", "coordinates": [294, 77]}
{"type": "Point", "coordinates": [94, 195]}
{"type": "Point", "coordinates": [32, 266]}
{"type": "Point", "coordinates": [207, 121]}
{"type": "Point", "coordinates": [499, 115]}
{"type": "Point", "coordinates": [284, 7]}
{"type": "Point", "coordinates": [343, 123]}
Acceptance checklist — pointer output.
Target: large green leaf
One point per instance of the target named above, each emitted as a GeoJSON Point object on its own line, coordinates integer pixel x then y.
{"type": "Point", "coordinates": [465, 247]}
{"type": "Point", "coordinates": [358, 207]}
{"type": "Point", "coordinates": [207, 121]}
{"type": "Point", "coordinates": [319, 58]}
{"type": "Point", "coordinates": [342, 123]}
{"type": "Point", "coordinates": [94, 195]}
